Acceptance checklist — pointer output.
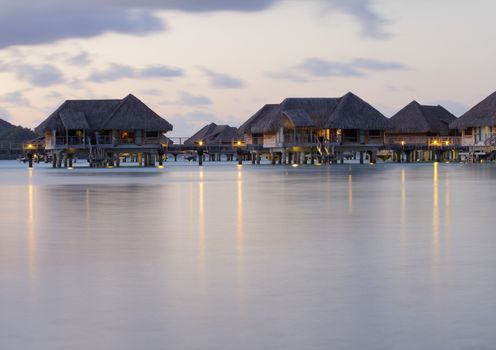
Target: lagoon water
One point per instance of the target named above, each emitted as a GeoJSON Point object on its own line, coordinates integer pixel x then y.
{"type": "Point", "coordinates": [253, 257]}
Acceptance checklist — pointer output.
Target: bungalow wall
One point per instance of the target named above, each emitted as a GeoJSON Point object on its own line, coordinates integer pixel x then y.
{"type": "Point", "coordinates": [477, 136]}
{"type": "Point", "coordinates": [407, 139]}
{"type": "Point", "coordinates": [269, 140]}
{"type": "Point", "coordinates": [361, 137]}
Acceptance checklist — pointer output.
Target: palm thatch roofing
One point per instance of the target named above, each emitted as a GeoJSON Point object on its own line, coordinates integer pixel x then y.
{"type": "Point", "coordinates": [346, 112]}
{"type": "Point", "coordinates": [214, 134]}
{"type": "Point", "coordinates": [299, 118]}
{"type": "Point", "coordinates": [422, 119]}
{"type": "Point", "coordinates": [482, 114]}
{"type": "Point", "coordinates": [126, 114]}
{"type": "Point", "coordinates": [259, 120]}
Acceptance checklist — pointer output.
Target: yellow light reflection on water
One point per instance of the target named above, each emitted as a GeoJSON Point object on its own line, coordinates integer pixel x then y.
{"type": "Point", "coordinates": [240, 232]}
{"type": "Point", "coordinates": [31, 230]}
{"type": "Point", "coordinates": [201, 222]}
{"type": "Point", "coordinates": [435, 218]}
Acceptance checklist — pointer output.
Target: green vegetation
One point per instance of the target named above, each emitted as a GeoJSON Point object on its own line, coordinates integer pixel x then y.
{"type": "Point", "coordinates": [12, 133]}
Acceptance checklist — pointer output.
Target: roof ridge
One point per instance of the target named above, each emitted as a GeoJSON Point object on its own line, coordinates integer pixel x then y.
{"type": "Point", "coordinates": [114, 111]}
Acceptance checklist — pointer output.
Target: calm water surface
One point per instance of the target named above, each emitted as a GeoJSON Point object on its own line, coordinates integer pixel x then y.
{"type": "Point", "coordinates": [342, 257]}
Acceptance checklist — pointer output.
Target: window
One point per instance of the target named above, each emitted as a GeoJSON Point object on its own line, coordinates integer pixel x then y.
{"type": "Point", "coordinates": [257, 139]}
{"type": "Point", "coordinates": [374, 133]}
{"type": "Point", "coordinates": [151, 134]}
{"type": "Point", "coordinates": [349, 135]}
{"type": "Point", "coordinates": [468, 132]}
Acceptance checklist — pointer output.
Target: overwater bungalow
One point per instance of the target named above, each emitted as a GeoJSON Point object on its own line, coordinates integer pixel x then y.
{"type": "Point", "coordinates": [216, 140]}
{"type": "Point", "coordinates": [420, 132]}
{"type": "Point", "coordinates": [298, 127]}
{"type": "Point", "coordinates": [214, 135]}
{"type": "Point", "coordinates": [478, 125]}
{"type": "Point", "coordinates": [103, 131]}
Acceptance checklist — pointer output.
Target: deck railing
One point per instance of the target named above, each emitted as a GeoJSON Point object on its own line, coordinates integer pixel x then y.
{"type": "Point", "coordinates": [104, 139]}
{"type": "Point", "coordinates": [126, 141]}
{"type": "Point", "coordinates": [430, 141]}
{"type": "Point", "coordinates": [151, 140]}
{"type": "Point", "coordinates": [70, 140]}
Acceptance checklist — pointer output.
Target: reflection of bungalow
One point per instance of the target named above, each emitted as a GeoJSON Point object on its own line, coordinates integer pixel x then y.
{"type": "Point", "coordinates": [307, 124]}
{"type": "Point", "coordinates": [216, 140]}
{"type": "Point", "coordinates": [418, 126]}
{"type": "Point", "coordinates": [478, 125]}
{"type": "Point", "coordinates": [104, 129]}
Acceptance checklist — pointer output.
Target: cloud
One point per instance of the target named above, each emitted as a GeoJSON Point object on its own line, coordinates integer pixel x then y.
{"type": "Point", "coordinates": [313, 68]}
{"type": "Point", "coordinates": [4, 114]}
{"type": "Point", "coordinates": [371, 64]}
{"type": "Point", "coordinates": [192, 100]}
{"type": "Point", "coordinates": [223, 81]}
{"type": "Point", "coordinates": [81, 59]}
{"type": "Point", "coordinates": [15, 98]}
{"type": "Point", "coordinates": [54, 95]}
{"type": "Point", "coordinates": [372, 24]}
{"type": "Point", "coordinates": [151, 92]}
{"type": "Point", "coordinates": [30, 22]}
{"type": "Point", "coordinates": [188, 123]}
{"type": "Point", "coordinates": [38, 75]}
{"type": "Point", "coordinates": [117, 71]}
{"type": "Point", "coordinates": [160, 71]}
{"type": "Point", "coordinates": [318, 68]}
{"type": "Point", "coordinates": [454, 107]}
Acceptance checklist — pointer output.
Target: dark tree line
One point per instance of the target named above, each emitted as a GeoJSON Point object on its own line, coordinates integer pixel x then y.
{"type": "Point", "coordinates": [12, 133]}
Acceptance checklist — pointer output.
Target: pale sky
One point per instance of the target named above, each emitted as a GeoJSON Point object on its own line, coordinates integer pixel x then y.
{"type": "Point", "coordinates": [201, 61]}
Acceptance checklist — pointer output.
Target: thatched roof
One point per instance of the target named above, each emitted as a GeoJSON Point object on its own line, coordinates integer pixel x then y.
{"type": "Point", "coordinates": [417, 118]}
{"type": "Point", "coordinates": [73, 120]}
{"type": "Point", "coordinates": [213, 134]}
{"type": "Point", "coordinates": [482, 114]}
{"type": "Point", "coordinates": [257, 123]}
{"type": "Point", "coordinates": [126, 114]}
{"type": "Point", "coordinates": [347, 112]}
{"type": "Point", "coordinates": [299, 118]}
{"type": "Point", "coordinates": [354, 113]}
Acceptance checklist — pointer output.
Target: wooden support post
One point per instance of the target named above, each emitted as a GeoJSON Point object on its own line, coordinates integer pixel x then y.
{"type": "Point", "coordinates": [312, 158]}
{"type": "Point", "coordinates": [140, 159]}
{"type": "Point", "coordinates": [273, 158]}
{"type": "Point", "coordinates": [361, 157]}
{"type": "Point", "coordinates": [70, 160]}
{"type": "Point", "coordinates": [373, 157]}
{"type": "Point", "coordinates": [200, 157]}
{"type": "Point", "coordinates": [30, 160]}
{"type": "Point", "coordinates": [54, 160]}
{"type": "Point", "coordinates": [240, 157]}
{"type": "Point", "coordinates": [258, 158]}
